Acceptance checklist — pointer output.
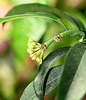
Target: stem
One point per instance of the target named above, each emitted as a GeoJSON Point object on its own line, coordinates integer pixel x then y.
{"type": "Point", "coordinates": [71, 32]}
{"type": "Point", "coordinates": [79, 35]}
{"type": "Point", "coordinates": [49, 42]}
{"type": "Point", "coordinates": [74, 33]}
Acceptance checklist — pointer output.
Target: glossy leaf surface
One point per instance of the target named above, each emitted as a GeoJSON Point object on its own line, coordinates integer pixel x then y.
{"type": "Point", "coordinates": [40, 10]}
{"type": "Point", "coordinates": [51, 83]}
{"type": "Point", "coordinates": [73, 80]}
{"type": "Point", "coordinates": [44, 68]}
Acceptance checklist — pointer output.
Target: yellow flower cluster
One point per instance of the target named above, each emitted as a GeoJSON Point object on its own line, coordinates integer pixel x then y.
{"type": "Point", "coordinates": [36, 50]}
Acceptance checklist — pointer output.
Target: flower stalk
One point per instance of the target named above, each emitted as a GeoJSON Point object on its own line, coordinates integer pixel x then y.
{"type": "Point", "coordinates": [36, 49]}
{"type": "Point", "coordinates": [79, 35]}
{"type": "Point", "coordinates": [48, 43]}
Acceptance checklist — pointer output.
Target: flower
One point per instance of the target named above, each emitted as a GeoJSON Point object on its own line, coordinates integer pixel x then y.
{"type": "Point", "coordinates": [36, 50]}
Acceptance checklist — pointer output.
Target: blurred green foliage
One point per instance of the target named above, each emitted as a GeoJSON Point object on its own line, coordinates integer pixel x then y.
{"type": "Point", "coordinates": [26, 28]}
{"type": "Point", "coordinates": [17, 70]}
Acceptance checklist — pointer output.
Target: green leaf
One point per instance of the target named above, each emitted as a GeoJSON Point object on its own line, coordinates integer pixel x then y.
{"type": "Point", "coordinates": [29, 93]}
{"type": "Point", "coordinates": [77, 22]}
{"type": "Point", "coordinates": [44, 68]}
{"type": "Point", "coordinates": [52, 78]}
{"type": "Point", "coordinates": [73, 80]}
{"type": "Point", "coordinates": [40, 10]}
{"type": "Point", "coordinates": [15, 14]}
{"type": "Point", "coordinates": [50, 84]}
